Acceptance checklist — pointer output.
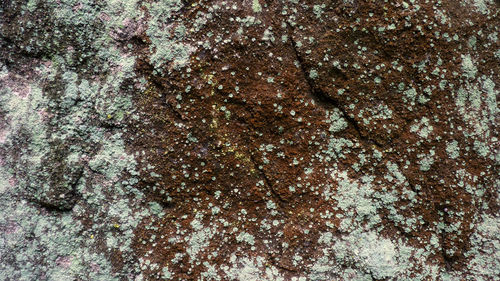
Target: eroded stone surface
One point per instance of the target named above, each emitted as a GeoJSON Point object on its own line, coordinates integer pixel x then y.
{"type": "Point", "coordinates": [249, 140]}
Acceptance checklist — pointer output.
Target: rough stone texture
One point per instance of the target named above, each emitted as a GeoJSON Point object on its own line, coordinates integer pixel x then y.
{"type": "Point", "coordinates": [249, 140]}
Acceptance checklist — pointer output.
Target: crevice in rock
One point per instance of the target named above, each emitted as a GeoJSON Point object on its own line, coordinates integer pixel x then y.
{"type": "Point", "coordinates": [373, 276]}
{"type": "Point", "coordinates": [53, 208]}
{"type": "Point", "coordinates": [275, 262]}
{"type": "Point", "coordinates": [447, 259]}
{"type": "Point", "coordinates": [161, 89]}
{"type": "Point", "coordinates": [323, 99]}
{"type": "Point", "coordinates": [266, 179]}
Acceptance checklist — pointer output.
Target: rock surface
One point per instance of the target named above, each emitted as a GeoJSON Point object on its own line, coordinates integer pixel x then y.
{"type": "Point", "coordinates": [249, 140]}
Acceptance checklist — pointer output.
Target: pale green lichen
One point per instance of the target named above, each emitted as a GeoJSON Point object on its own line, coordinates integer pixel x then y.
{"type": "Point", "coordinates": [485, 249]}
{"type": "Point", "coordinates": [313, 74]}
{"type": "Point", "coordinates": [368, 254]}
{"type": "Point", "coordinates": [246, 237]}
{"type": "Point", "coordinates": [468, 66]}
{"type": "Point", "coordinates": [56, 238]}
{"type": "Point", "coordinates": [336, 121]}
{"type": "Point", "coordinates": [426, 160]}
{"type": "Point", "coordinates": [453, 150]}
{"type": "Point", "coordinates": [256, 7]}
{"type": "Point", "coordinates": [318, 10]}
{"type": "Point", "coordinates": [167, 46]}
{"type": "Point", "coordinates": [51, 120]}
{"type": "Point", "coordinates": [112, 159]}
{"type": "Point", "coordinates": [423, 128]}
{"type": "Point", "coordinates": [482, 5]}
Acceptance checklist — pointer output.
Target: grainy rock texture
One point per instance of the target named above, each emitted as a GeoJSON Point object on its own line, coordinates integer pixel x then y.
{"type": "Point", "coordinates": [249, 140]}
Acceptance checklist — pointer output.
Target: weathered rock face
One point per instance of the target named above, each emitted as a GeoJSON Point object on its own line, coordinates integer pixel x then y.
{"type": "Point", "coordinates": [249, 140]}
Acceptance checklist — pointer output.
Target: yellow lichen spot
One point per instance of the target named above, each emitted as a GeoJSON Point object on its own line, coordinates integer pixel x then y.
{"type": "Point", "coordinates": [116, 225]}
{"type": "Point", "coordinates": [92, 236]}
{"type": "Point", "coordinates": [213, 125]}
{"type": "Point", "coordinates": [208, 77]}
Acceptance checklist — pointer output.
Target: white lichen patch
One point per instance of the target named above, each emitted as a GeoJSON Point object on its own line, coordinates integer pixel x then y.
{"type": "Point", "coordinates": [468, 66]}
{"type": "Point", "coordinates": [353, 195]}
{"type": "Point", "coordinates": [167, 46]}
{"type": "Point", "coordinates": [485, 250]}
{"type": "Point", "coordinates": [477, 104]}
{"type": "Point", "coordinates": [336, 121]}
{"type": "Point", "coordinates": [256, 7]}
{"type": "Point", "coordinates": [453, 150]}
{"type": "Point", "coordinates": [368, 255]}
{"type": "Point", "coordinates": [246, 237]}
{"type": "Point", "coordinates": [426, 160]}
{"type": "Point", "coordinates": [423, 128]}
{"type": "Point", "coordinates": [112, 159]}
{"type": "Point", "coordinates": [482, 6]}
{"type": "Point", "coordinates": [252, 269]}
{"type": "Point", "coordinates": [199, 239]}
{"type": "Point", "coordinates": [60, 113]}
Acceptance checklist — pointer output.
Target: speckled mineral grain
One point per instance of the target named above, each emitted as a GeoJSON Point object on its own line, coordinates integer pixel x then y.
{"type": "Point", "coordinates": [249, 140]}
